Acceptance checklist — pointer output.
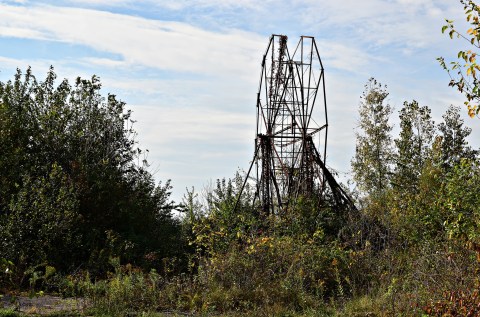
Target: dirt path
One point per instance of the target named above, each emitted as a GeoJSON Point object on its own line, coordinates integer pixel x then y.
{"type": "Point", "coordinates": [42, 305]}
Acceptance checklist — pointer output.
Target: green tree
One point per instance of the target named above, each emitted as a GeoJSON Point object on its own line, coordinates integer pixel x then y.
{"type": "Point", "coordinates": [462, 202]}
{"type": "Point", "coordinates": [413, 145]}
{"type": "Point", "coordinates": [372, 162]}
{"type": "Point", "coordinates": [69, 168]}
{"type": "Point", "coordinates": [454, 138]}
{"type": "Point", "coordinates": [42, 221]}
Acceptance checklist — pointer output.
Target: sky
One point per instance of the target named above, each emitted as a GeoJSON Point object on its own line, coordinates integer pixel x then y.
{"type": "Point", "coordinates": [189, 69]}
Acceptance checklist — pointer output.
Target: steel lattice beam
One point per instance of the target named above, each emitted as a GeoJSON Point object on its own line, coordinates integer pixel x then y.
{"type": "Point", "coordinates": [291, 134]}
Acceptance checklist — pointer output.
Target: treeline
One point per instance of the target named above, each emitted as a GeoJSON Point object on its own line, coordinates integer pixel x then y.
{"type": "Point", "coordinates": [81, 215]}
{"type": "Point", "coordinates": [419, 195]}
{"type": "Point", "coordinates": [74, 190]}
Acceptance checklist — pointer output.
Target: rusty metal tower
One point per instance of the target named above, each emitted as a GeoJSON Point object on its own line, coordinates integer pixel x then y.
{"type": "Point", "coordinates": [292, 129]}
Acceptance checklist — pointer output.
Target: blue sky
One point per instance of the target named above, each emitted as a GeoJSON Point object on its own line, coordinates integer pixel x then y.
{"type": "Point", "coordinates": [189, 69]}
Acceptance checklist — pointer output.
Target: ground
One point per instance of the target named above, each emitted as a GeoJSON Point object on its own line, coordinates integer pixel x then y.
{"type": "Point", "coordinates": [42, 305]}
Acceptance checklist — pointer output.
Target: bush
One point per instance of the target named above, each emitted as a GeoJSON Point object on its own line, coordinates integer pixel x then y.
{"type": "Point", "coordinates": [274, 271]}
{"type": "Point", "coordinates": [74, 188]}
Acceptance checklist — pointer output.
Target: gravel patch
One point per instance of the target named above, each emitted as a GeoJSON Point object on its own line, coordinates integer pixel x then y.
{"type": "Point", "coordinates": [43, 305]}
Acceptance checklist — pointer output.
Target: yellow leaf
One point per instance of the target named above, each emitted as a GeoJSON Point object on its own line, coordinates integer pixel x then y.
{"type": "Point", "coordinates": [470, 31]}
{"type": "Point", "coordinates": [469, 71]}
{"type": "Point", "coordinates": [472, 110]}
{"type": "Point", "coordinates": [471, 113]}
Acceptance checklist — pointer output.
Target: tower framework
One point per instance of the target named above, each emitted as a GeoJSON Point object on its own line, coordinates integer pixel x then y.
{"type": "Point", "coordinates": [291, 133]}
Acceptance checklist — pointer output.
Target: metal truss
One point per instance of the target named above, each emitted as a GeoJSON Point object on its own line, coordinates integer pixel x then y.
{"type": "Point", "coordinates": [290, 145]}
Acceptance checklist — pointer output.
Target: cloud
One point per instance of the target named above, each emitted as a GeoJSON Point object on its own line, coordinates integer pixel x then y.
{"type": "Point", "coordinates": [104, 62]}
{"type": "Point", "coordinates": [192, 145]}
{"type": "Point", "coordinates": [198, 124]}
{"type": "Point", "coordinates": [412, 24]}
{"type": "Point", "coordinates": [20, 32]}
{"type": "Point", "coordinates": [101, 2]}
{"type": "Point", "coordinates": [337, 55]}
{"type": "Point", "coordinates": [14, 1]}
{"type": "Point", "coordinates": [172, 4]}
{"type": "Point", "coordinates": [217, 4]}
{"type": "Point", "coordinates": [163, 45]}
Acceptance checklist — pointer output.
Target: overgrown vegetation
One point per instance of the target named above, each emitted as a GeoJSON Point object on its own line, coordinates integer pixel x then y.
{"type": "Point", "coordinates": [72, 194]}
{"type": "Point", "coordinates": [81, 216]}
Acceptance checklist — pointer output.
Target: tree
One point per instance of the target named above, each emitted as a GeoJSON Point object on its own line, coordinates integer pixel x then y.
{"type": "Point", "coordinates": [422, 202]}
{"type": "Point", "coordinates": [42, 221]}
{"type": "Point", "coordinates": [467, 79]}
{"type": "Point", "coordinates": [413, 144]}
{"type": "Point", "coordinates": [461, 202]}
{"type": "Point", "coordinates": [69, 172]}
{"type": "Point", "coordinates": [454, 138]}
{"type": "Point", "coordinates": [372, 162]}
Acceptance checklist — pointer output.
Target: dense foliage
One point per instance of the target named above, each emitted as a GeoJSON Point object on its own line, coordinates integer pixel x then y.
{"type": "Point", "coordinates": [72, 194]}
{"type": "Point", "coordinates": [427, 217]}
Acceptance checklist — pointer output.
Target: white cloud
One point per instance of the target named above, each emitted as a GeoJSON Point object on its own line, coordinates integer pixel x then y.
{"type": "Point", "coordinates": [105, 62]}
{"type": "Point", "coordinates": [172, 4]}
{"type": "Point", "coordinates": [101, 2]}
{"type": "Point", "coordinates": [336, 55]}
{"type": "Point", "coordinates": [180, 124]}
{"type": "Point", "coordinates": [14, 1]}
{"type": "Point", "coordinates": [192, 145]}
{"type": "Point", "coordinates": [414, 24]}
{"type": "Point", "coordinates": [20, 32]}
{"type": "Point", "coordinates": [163, 45]}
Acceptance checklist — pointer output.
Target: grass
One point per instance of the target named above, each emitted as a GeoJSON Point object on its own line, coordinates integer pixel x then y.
{"type": "Point", "coordinates": [10, 313]}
